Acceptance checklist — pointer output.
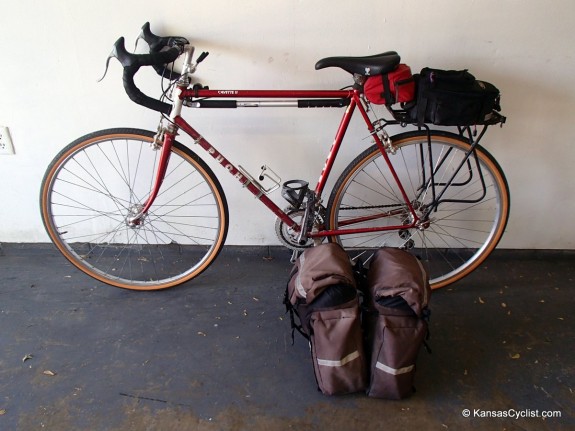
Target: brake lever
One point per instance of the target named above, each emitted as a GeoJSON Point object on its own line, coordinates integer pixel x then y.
{"type": "Point", "coordinates": [157, 43]}
{"type": "Point", "coordinates": [121, 54]}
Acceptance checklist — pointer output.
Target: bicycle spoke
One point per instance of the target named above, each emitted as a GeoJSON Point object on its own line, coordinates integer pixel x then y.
{"type": "Point", "coordinates": [454, 233]}
{"type": "Point", "coordinates": [94, 190]}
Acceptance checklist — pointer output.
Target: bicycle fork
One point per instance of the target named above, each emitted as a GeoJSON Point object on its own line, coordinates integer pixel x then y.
{"type": "Point", "coordinates": [167, 139]}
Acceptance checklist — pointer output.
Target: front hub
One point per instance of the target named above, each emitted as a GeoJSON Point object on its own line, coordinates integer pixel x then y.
{"type": "Point", "coordinates": [135, 217]}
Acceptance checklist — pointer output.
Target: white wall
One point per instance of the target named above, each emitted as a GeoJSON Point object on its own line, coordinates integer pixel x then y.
{"type": "Point", "coordinates": [52, 52]}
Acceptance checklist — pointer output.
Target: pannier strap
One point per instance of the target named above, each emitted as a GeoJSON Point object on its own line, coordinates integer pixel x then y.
{"type": "Point", "coordinates": [294, 326]}
{"type": "Point", "coordinates": [366, 66]}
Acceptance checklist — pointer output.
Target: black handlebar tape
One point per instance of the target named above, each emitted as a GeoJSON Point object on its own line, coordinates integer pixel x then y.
{"type": "Point", "coordinates": [158, 58]}
{"type": "Point", "coordinates": [140, 98]}
{"type": "Point", "coordinates": [132, 63]}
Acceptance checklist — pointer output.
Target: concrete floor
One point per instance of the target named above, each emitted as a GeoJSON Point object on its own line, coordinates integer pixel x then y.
{"type": "Point", "coordinates": [216, 354]}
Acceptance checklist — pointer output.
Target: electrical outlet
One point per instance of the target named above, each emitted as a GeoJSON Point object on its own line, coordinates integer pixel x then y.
{"type": "Point", "coordinates": [6, 146]}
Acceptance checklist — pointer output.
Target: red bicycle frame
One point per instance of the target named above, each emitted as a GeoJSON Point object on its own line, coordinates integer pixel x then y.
{"type": "Point", "coordinates": [319, 98]}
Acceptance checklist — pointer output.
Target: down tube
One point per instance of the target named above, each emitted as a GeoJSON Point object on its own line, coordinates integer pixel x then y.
{"type": "Point", "coordinates": [235, 172]}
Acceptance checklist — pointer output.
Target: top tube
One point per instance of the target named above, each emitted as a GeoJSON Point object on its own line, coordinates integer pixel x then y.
{"type": "Point", "coordinates": [266, 94]}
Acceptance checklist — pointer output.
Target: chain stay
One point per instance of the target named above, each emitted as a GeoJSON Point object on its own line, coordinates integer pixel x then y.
{"type": "Point", "coordinates": [372, 207]}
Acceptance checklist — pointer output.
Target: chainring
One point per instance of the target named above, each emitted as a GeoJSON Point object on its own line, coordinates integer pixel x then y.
{"type": "Point", "coordinates": [288, 236]}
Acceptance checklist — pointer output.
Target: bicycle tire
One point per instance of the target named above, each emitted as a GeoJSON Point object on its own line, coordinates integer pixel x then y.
{"type": "Point", "coordinates": [460, 235]}
{"type": "Point", "coordinates": [98, 182]}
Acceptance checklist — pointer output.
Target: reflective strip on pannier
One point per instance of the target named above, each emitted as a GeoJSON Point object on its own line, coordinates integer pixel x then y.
{"type": "Point", "coordinates": [329, 363]}
{"type": "Point", "coordinates": [394, 371]}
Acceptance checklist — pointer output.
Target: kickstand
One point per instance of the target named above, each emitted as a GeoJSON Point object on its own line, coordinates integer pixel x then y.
{"type": "Point", "coordinates": [294, 256]}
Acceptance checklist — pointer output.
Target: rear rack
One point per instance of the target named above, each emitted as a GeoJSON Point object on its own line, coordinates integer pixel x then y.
{"type": "Point", "coordinates": [404, 116]}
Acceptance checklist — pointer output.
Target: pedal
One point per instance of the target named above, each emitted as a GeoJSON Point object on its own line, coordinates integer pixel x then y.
{"type": "Point", "coordinates": [294, 256]}
{"type": "Point", "coordinates": [308, 216]}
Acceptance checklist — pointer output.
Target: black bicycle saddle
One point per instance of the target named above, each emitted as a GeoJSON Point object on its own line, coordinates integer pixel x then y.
{"type": "Point", "coordinates": [366, 66]}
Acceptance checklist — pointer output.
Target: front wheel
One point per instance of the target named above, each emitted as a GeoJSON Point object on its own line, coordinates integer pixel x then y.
{"type": "Point", "coordinates": [100, 182]}
{"type": "Point", "coordinates": [458, 233]}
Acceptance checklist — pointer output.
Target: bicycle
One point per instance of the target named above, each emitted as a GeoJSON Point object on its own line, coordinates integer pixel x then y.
{"type": "Point", "coordinates": [137, 209]}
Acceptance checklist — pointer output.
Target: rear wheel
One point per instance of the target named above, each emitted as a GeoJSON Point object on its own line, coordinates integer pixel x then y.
{"type": "Point", "coordinates": [99, 182]}
{"type": "Point", "coordinates": [460, 232]}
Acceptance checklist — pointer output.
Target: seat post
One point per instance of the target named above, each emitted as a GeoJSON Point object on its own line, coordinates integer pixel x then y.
{"type": "Point", "coordinates": [359, 79]}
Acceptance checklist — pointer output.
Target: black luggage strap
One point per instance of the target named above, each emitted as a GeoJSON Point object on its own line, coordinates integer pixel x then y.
{"type": "Point", "coordinates": [292, 313]}
{"type": "Point", "coordinates": [387, 90]}
{"type": "Point", "coordinates": [421, 109]}
{"type": "Point", "coordinates": [425, 315]}
{"type": "Point", "coordinates": [296, 327]}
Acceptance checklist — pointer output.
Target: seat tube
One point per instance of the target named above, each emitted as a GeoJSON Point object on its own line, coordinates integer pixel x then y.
{"type": "Point", "coordinates": [336, 145]}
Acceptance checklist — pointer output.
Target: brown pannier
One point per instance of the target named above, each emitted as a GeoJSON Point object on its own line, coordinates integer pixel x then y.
{"type": "Point", "coordinates": [322, 293]}
{"type": "Point", "coordinates": [397, 300]}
